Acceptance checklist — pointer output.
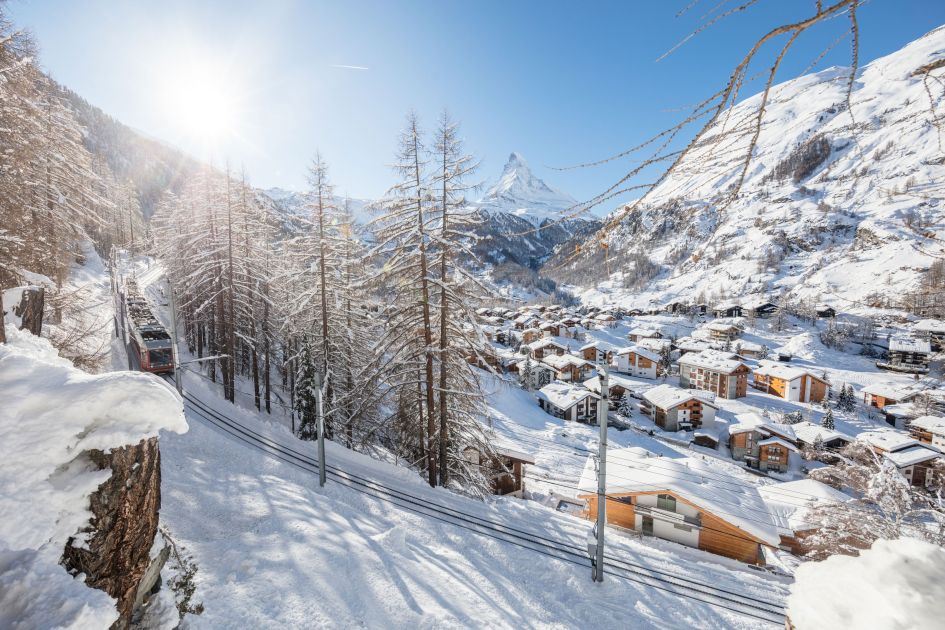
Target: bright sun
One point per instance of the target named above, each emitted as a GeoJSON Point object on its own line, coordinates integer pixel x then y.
{"type": "Point", "coordinates": [201, 102]}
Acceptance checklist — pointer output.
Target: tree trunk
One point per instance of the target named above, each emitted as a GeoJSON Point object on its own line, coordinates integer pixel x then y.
{"type": "Point", "coordinates": [30, 310]}
{"type": "Point", "coordinates": [124, 522]}
{"type": "Point", "coordinates": [444, 310]}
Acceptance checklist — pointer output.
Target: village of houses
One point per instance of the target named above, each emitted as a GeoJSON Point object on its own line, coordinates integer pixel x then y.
{"type": "Point", "coordinates": [716, 417]}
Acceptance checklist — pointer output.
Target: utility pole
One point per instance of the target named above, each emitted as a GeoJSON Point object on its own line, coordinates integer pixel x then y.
{"type": "Point", "coordinates": [320, 417]}
{"type": "Point", "coordinates": [174, 356]}
{"type": "Point", "coordinates": [602, 413]}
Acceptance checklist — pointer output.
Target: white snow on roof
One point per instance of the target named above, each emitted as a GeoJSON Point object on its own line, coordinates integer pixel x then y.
{"type": "Point", "coordinates": [559, 362]}
{"type": "Point", "coordinates": [721, 327]}
{"type": "Point", "coordinates": [754, 422]}
{"type": "Point", "coordinates": [784, 372]}
{"type": "Point", "coordinates": [888, 440]}
{"type": "Point", "coordinates": [792, 500]}
{"type": "Point", "coordinates": [708, 360]}
{"type": "Point", "coordinates": [563, 395]}
{"type": "Point", "coordinates": [613, 379]}
{"type": "Point", "coordinates": [929, 325]}
{"type": "Point", "coordinates": [737, 503]}
{"type": "Point", "coordinates": [643, 332]}
{"type": "Point", "coordinates": [911, 455]}
{"type": "Point", "coordinates": [807, 432]}
{"type": "Point", "coordinates": [887, 390]}
{"type": "Point", "coordinates": [545, 342]}
{"type": "Point", "coordinates": [909, 344]}
{"type": "Point", "coordinates": [640, 351]}
{"type": "Point", "coordinates": [932, 424]}
{"type": "Point", "coordinates": [667, 396]}
{"type": "Point", "coordinates": [777, 441]}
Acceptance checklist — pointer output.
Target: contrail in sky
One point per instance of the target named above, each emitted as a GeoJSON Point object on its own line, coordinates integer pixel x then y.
{"type": "Point", "coordinates": [335, 65]}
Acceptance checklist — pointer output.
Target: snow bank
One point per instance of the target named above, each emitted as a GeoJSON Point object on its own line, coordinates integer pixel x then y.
{"type": "Point", "coordinates": [896, 584]}
{"type": "Point", "coordinates": [51, 415]}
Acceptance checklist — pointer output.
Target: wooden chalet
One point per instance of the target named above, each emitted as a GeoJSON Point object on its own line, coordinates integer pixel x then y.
{"type": "Point", "coordinates": [723, 332]}
{"type": "Point", "coordinates": [929, 430]}
{"type": "Point", "coordinates": [544, 347]}
{"type": "Point", "coordinates": [931, 330]}
{"type": "Point", "coordinates": [637, 361]}
{"type": "Point", "coordinates": [907, 354]}
{"type": "Point", "coordinates": [790, 504]}
{"type": "Point", "coordinates": [790, 383]}
{"type": "Point", "coordinates": [569, 402]}
{"type": "Point", "coordinates": [569, 368]}
{"type": "Point", "coordinates": [762, 444]}
{"type": "Point", "coordinates": [675, 409]}
{"type": "Point", "coordinates": [912, 458]}
{"type": "Point", "coordinates": [637, 334]}
{"type": "Point", "coordinates": [826, 312]}
{"type": "Point", "coordinates": [808, 433]}
{"type": "Point", "coordinates": [682, 500]}
{"type": "Point", "coordinates": [879, 395]}
{"type": "Point", "coordinates": [727, 310]}
{"type": "Point", "coordinates": [505, 469]}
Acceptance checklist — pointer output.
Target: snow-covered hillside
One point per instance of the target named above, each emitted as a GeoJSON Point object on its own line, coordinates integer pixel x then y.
{"type": "Point", "coordinates": [842, 204]}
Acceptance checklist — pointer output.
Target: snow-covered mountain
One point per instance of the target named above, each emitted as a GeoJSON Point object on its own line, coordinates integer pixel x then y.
{"type": "Point", "coordinates": [293, 203]}
{"type": "Point", "coordinates": [844, 205]}
{"type": "Point", "coordinates": [520, 193]}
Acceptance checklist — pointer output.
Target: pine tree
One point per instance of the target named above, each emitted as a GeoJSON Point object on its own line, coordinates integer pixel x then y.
{"type": "Point", "coordinates": [526, 373]}
{"type": "Point", "coordinates": [306, 387]}
{"type": "Point", "coordinates": [827, 421]}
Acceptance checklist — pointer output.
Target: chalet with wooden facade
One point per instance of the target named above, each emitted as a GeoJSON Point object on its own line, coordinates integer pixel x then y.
{"type": "Point", "coordinates": [638, 333]}
{"type": "Point", "coordinates": [714, 372]}
{"type": "Point", "coordinates": [879, 395]}
{"type": "Point", "coordinates": [727, 310]}
{"type": "Point", "coordinates": [722, 332]}
{"type": "Point", "coordinates": [790, 383]}
{"type": "Point", "coordinates": [762, 444]}
{"type": "Point", "coordinates": [569, 402]}
{"type": "Point", "coordinates": [929, 430]}
{"type": "Point", "coordinates": [910, 456]}
{"type": "Point", "coordinates": [675, 409]}
{"type": "Point", "coordinates": [907, 354]}
{"type": "Point", "coordinates": [505, 469]}
{"type": "Point", "coordinates": [682, 500]}
{"type": "Point", "coordinates": [637, 361]}
{"type": "Point", "coordinates": [569, 368]}
{"type": "Point", "coordinates": [931, 330]}
{"type": "Point", "coordinates": [545, 347]}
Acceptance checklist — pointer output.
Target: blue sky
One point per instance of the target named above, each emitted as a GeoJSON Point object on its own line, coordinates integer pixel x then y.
{"type": "Point", "coordinates": [560, 82]}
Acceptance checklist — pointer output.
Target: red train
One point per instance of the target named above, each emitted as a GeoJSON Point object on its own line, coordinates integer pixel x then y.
{"type": "Point", "coordinates": [144, 334]}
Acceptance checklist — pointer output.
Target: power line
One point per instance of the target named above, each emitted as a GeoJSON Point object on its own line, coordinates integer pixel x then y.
{"type": "Point", "coordinates": [577, 555]}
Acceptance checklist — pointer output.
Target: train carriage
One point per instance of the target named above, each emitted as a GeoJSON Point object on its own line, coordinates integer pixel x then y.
{"type": "Point", "coordinates": [147, 338]}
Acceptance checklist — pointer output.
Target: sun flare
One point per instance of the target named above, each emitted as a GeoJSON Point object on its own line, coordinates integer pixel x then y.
{"type": "Point", "coordinates": [201, 102]}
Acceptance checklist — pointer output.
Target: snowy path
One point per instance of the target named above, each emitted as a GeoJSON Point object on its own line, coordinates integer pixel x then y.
{"type": "Point", "coordinates": [276, 550]}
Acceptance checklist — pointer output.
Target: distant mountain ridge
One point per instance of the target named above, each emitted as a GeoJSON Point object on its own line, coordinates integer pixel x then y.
{"type": "Point", "coordinates": [838, 208]}
{"type": "Point", "coordinates": [520, 193]}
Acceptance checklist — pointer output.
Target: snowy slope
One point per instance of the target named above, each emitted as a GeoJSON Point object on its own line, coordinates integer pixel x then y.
{"type": "Point", "coordinates": [275, 550]}
{"type": "Point", "coordinates": [842, 204]}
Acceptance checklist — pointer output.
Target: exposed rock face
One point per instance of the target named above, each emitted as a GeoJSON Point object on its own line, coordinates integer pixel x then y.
{"type": "Point", "coordinates": [115, 556]}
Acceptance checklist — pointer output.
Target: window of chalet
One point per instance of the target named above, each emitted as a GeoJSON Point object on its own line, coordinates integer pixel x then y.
{"type": "Point", "coordinates": [666, 502]}
{"type": "Point", "coordinates": [774, 451]}
{"type": "Point", "coordinates": [626, 500]}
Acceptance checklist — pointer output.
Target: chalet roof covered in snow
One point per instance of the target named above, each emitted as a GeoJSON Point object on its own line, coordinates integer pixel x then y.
{"type": "Point", "coordinates": [807, 432]}
{"type": "Point", "coordinates": [709, 360]}
{"type": "Point", "coordinates": [564, 395]}
{"type": "Point", "coordinates": [909, 344]}
{"type": "Point", "coordinates": [721, 327]}
{"type": "Point", "coordinates": [546, 342]}
{"type": "Point", "coordinates": [641, 352]}
{"type": "Point", "coordinates": [911, 455]}
{"type": "Point", "coordinates": [887, 390]}
{"type": "Point", "coordinates": [784, 372]}
{"type": "Point", "coordinates": [739, 504]}
{"type": "Point", "coordinates": [776, 441]}
{"type": "Point", "coordinates": [613, 379]}
{"type": "Point", "coordinates": [792, 500]}
{"type": "Point", "coordinates": [643, 332]}
{"type": "Point", "coordinates": [667, 396]}
{"type": "Point", "coordinates": [929, 326]}
{"type": "Point", "coordinates": [560, 362]}
{"type": "Point", "coordinates": [888, 440]}
{"type": "Point", "coordinates": [932, 424]}
{"type": "Point", "coordinates": [753, 422]}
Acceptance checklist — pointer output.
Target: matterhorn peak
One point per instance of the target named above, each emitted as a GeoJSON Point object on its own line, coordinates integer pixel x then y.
{"type": "Point", "coordinates": [521, 193]}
